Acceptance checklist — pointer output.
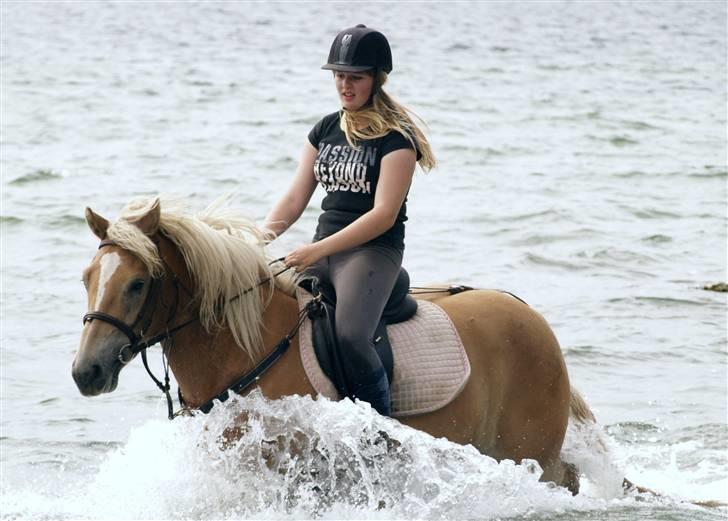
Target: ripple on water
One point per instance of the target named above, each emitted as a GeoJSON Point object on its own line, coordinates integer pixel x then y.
{"type": "Point", "coordinates": [619, 141]}
{"type": "Point", "coordinates": [538, 239]}
{"type": "Point", "coordinates": [10, 220]}
{"type": "Point", "coordinates": [667, 301]}
{"type": "Point", "coordinates": [533, 215]}
{"type": "Point", "coordinates": [631, 174]}
{"type": "Point", "coordinates": [583, 352]}
{"type": "Point", "coordinates": [652, 148]}
{"type": "Point", "coordinates": [632, 432]}
{"type": "Point", "coordinates": [650, 213]}
{"type": "Point", "coordinates": [710, 171]}
{"type": "Point", "coordinates": [657, 239]}
{"type": "Point", "coordinates": [616, 254]}
{"type": "Point", "coordinates": [37, 176]}
{"type": "Point", "coordinates": [541, 260]}
{"type": "Point", "coordinates": [65, 221]}
{"type": "Point", "coordinates": [638, 125]}
{"type": "Point", "coordinates": [712, 436]}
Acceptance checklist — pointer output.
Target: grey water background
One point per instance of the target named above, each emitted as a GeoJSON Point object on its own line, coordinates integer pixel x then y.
{"type": "Point", "coordinates": [582, 166]}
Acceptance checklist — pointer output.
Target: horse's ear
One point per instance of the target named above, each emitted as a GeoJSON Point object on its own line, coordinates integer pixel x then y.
{"type": "Point", "coordinates": [98, 224]}
{"type": "Point", "coordinates": [149, 222]}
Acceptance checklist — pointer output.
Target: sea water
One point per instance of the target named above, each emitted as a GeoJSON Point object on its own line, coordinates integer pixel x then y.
{"type": "Point", "coordinates": [582, 166]}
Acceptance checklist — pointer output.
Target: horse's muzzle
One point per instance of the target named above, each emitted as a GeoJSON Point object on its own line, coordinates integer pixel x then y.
{"type": "Point", "coordinates": [93, 379]}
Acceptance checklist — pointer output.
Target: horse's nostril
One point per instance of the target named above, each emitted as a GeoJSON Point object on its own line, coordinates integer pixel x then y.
{"type": "Point", "coordinates": [90, 380]}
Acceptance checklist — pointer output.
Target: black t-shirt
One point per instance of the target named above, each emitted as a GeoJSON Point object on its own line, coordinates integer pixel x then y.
{"type": "Point", "coordinates": [350, 176]}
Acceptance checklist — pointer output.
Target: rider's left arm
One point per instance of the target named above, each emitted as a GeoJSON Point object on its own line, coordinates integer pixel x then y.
{"type": "Point", "coordinates": [395, 177]}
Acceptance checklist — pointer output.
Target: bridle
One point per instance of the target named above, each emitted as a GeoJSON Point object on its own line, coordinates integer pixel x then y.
{"type": "Point", "coordinates": [136, 339]}
{"type": "Point", "coordinates": [139, 343]}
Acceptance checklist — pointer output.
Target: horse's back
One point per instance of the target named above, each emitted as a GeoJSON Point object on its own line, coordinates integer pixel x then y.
{"type": "Point", "coordinates": [499, 324]}
{"type": "Point", "coordinates": [516, 402]}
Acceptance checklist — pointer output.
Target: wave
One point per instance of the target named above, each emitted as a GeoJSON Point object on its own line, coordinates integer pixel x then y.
{"type": "Point", "coordinates": [458, 47]}
{"type": "Point", "coordinates": [65, 221]}
{"type": "Point", "coordinates": [249, 123]}
{"type": "Point", "coordinates": [583, 352]}
{"type": "Point", "coordinates": [617, 141]}
{"type": "Point", "coordinates": [710, 171]}
{"type": "Point", "coordinates": [669, 302]}
{"type": "Point", "coordinates": [482, 151]}
{"type": "Point", "coordinates": [618, 256]}
{"type": "Point", "coordinates": [657, 301]}
{"type": "Point", "coordinates": [632, 174]}
{"type": "Point", "coordinates": [10, 219]}
{"type": "Point", "coordinates": [554, 263]}
{"type": "Point", "coordinates": [304, 458]}
{"type": "Point", "coordinates": [657, 238]}
{"type": "Point", "coordinates": [650, 213]}
{"type": "Point", "coordinates": [538, 239]}
{"type": "Point", "coordinates": [688, 461]}
{"type": "Point", "coordinates": [637, 125]}
{"type": "Point", "coordinates": [36, 176]}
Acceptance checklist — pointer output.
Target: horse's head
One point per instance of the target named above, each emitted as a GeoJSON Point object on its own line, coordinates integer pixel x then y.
{"type": "Point", "coordinates": [119, 286]}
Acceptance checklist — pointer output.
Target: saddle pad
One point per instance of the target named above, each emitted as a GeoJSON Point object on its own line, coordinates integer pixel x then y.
{"type": "Point", "coordinates": [430, 364]}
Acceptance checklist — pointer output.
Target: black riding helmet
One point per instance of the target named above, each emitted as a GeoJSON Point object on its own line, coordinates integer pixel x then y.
{"type": "Point", "coordinates": [359, 49]}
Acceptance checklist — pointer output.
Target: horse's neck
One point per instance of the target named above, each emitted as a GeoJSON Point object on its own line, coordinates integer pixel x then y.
{"type": "Point", "coordinates": [205, 364]}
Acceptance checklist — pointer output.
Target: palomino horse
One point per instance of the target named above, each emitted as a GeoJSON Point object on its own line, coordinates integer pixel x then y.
{"type": "Point", "coordinates": [204, 287]}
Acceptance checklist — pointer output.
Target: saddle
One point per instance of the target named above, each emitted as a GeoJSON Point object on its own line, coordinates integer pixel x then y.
{"type": "Point", "coordinates": [400, 307]}
{"type": "Point", "coordinates": [424, 354]}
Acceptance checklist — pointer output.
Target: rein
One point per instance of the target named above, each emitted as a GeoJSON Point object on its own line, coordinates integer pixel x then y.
{"type": "Point", "coordinates": [265, 364]}
{"type": "Point", "coordinates": [139, 344]}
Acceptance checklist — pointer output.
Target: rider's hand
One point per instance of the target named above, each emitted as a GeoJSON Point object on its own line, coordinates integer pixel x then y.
{"type": "Point", "coordinates": [303, 256]}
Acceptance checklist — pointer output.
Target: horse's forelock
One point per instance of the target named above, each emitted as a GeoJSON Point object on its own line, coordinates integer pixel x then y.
{"type": "Point", "coordinates": [131, 238]}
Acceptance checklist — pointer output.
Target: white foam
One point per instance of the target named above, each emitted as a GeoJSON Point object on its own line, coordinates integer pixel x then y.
{"type": "Point", "coordinates": [326, 460]}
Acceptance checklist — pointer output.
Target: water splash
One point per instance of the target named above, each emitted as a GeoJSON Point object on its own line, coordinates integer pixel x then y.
{"type": "Point", "coordinates": [303, 458]}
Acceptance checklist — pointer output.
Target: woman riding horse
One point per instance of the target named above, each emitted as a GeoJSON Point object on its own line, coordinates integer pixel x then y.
{"type": "Point", "coordinates": [203, 286]}
{"type": "Point", "coordinates": [364, 156]}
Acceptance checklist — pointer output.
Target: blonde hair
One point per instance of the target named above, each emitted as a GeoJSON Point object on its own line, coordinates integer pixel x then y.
{"type": "Point", "coordinates": [383, 115]}
{"type": "Point", "coordinates": [224, 253]}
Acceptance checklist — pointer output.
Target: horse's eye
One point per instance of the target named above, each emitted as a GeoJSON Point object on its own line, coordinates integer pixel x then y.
{"type": "Point", "coordinates": [136, 286]}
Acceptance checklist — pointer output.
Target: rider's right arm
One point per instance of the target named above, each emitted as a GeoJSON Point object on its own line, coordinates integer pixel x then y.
{"type": "Point", "coordinates": [290, 207]}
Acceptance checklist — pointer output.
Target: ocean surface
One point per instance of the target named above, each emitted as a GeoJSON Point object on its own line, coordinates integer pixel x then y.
{"type": "Point", "coordinates": [582, 166]}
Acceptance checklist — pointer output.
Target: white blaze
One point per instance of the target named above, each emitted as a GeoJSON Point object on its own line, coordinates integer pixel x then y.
{"type": "Point", "coordinates": [109, 264]}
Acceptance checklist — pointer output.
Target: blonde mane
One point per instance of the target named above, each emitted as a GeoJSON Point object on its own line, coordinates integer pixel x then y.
{"type": "Point", "coordinates": [225, 255]}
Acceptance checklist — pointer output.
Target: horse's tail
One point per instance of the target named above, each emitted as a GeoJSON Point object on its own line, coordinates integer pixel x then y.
{"type": "Point", "coordinates": [582, 414]}
{"type": "Point", "coordinates": [579, 410]}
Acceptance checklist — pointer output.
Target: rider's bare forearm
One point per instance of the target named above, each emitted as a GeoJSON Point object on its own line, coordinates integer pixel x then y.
{"type": "Point", "coordinates": [283, 214]}
{"type": "Point", "coordinates": [290, 207]}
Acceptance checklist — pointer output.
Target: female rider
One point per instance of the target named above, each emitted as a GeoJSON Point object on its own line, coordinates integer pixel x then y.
{"type": "Point", "coordinates": [364, 156]}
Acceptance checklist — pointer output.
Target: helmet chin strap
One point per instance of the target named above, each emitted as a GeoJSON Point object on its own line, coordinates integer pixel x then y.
{"type": "Point", "coordinates": [375, 88]}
